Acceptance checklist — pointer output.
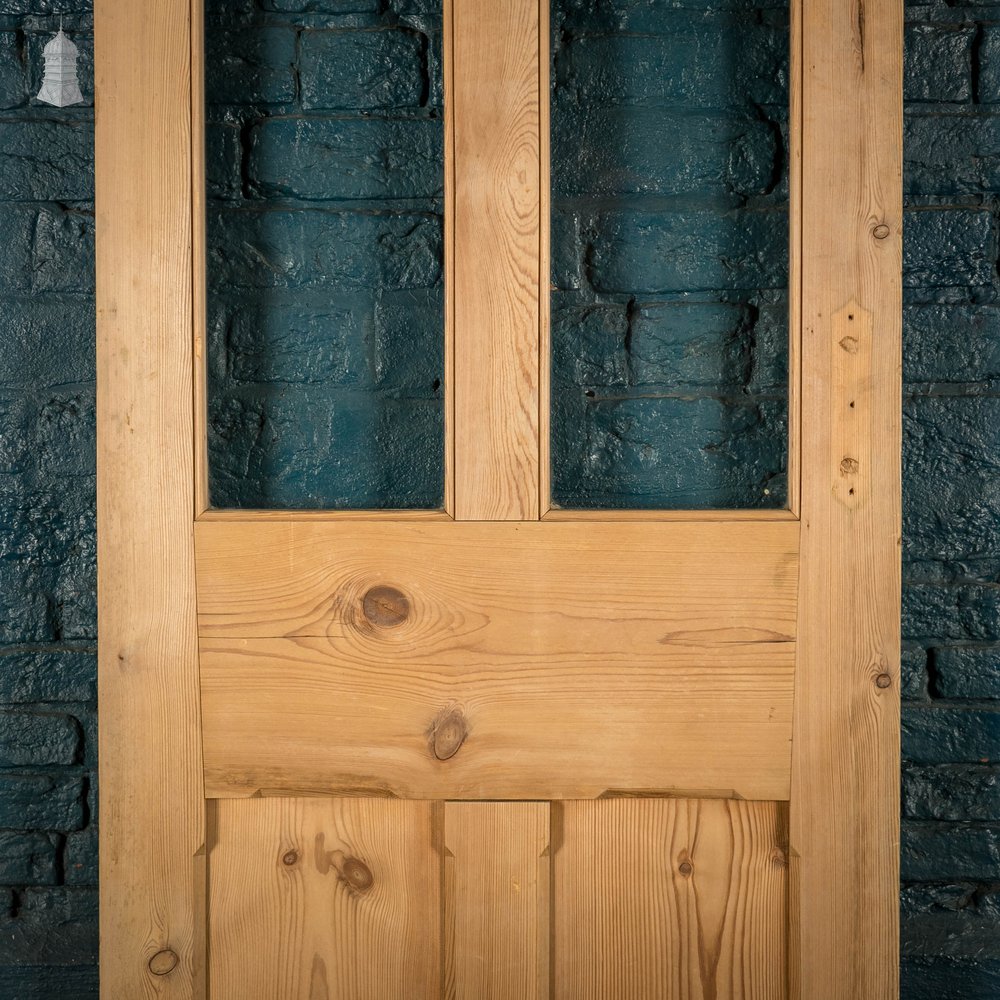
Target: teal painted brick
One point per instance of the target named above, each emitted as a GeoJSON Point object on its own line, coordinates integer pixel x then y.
{"type": "Point", "coordinates": [347, 159]}
{"type": "Point", "coordinates": [13, 83]}
{"type": "Point", "coordinates": [15, 444]}
{"type": "Point", "coordinates": [949, 248]}
{"type": "Point", "coordinates": [51, 925]}
{"type": "Point", "coordinates": [666, 452]}
{"type": "Point", "coordinates": [17, 223]}
{"type": "Point", "coordinates": [41, 801]}
{"type": "Point", "coordinates": [288, 339]}
{"type": "Point", "coordinates": [311, 447]}
{"type": "Point", "coordinates": [913, 672]}
{"type": "Point", "coordinates": [36, 739]}
{"type": "Point", "coordinates": [957, 920]}
{"type": "Point", "coordinates": [938, 734]}
{"type": "Point", "coordinates": [567, 250]}
{"type": "Point", "coordinates": [250, 66]}
{"type": "Point", "coordinates": [80, 857]}
{"type": "Point", "coordinates": [684, 344]}
{"type": "Point", "coordinates": [637, 150]}
{"type": "Point", "coordinates": [951, 343]}
{"type": "Point", "coordinates": [949, 979]}
{"type": "Point", "coordinates": [328, 249]}
{"type": "Point", "coordinates": [989, 65]}
{"type": "Point", "coordinates": [362, 69]}
{"type": "Point", "coordinates": [952, 793]}
{"type": "Point", "coordinates": [47, 675]}
{"type": "Point", "coordinates": [952, 463]}
{"type": "Point", "coordinates": [322, 6]}
{"type": "Point", "coordinates": [28, 858]}
{"type": "Point", "coordinates": [937, 63]}
{"type": "Point", "coordinates": [963, 613]}
{"type": "Point", "coordinates": [49, 982]}
{"type": "Point", "coordinates": [933, 851]}
{"type": "Point", "coordinates": [62, 258]}
{"type": "Point", "coordinates": [48, 340]}
{"type": "Point", "coordinates": [589, 343]}
{"type": "Point", "coordinates": [409, 342]}
{"type": "Point", "coordinates": [691, 60]}
{"type": "Point", "coordinates": [951, 155]}
{"type": "Point", "coordinates": [971, 672]}
{"type": "Point", "coordinates": [646, 252]}
{"type": "Point", "coordinates": [46, 161]}
{"type": "Point", "coordinates": [223, 161]}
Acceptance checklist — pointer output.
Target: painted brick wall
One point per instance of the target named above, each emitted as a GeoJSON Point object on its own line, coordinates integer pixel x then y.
{"type": "Point", "coordinates": [326, 306]}
{"type": "Point", "coordinates": [951, 779]}
{"type": "Point", "coordinates": [669, 247]}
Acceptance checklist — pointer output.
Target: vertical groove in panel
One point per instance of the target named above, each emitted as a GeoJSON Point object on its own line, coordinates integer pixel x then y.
{"type": "Point", "coordinates": [678, 899]}
{"type": "Point", "coordinates": [494, 265]}
{"type": "Point", "coordinates": [324, 899]}
{"type": "Point", "coordinates": [497, 905]}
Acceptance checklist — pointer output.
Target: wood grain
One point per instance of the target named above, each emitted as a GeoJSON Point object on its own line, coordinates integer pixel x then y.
{"type": "Point", "coordinates": [151, 798]}
{"type": "Point", "coordinates": [845, 808]}
{"type": "Point", "coordinates": [568, 675]}
{"type": "Point", "coordinates": [536, 587]}
{"type": "Point", "coordinates": [325, 899]}
{"type": "Point", "coordinates": [497, 900]}
{"type": "Point", "coordinates": [673, 899]}
{"type": "Point", "coordinates": [494, 267]}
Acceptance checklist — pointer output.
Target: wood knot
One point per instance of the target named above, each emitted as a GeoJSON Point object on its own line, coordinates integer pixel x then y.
{"type": "Point", "coordinates": [778, 858]}
{"type": "Point", "coordinates": [881, 231]}
{"type": "Point", "coordinates": [883, 681]}
{"type": "Point", "coordinates": [356, 874]}
{"type": "Point", "coordinates": [685, 868]}
{"type": "Point", "coordinates": [849, 465]}
{"type": "Point", "coordinates": [448, 734]}
{"type": "Point", "coordinates": [850, 344]}
{"type": "Point", "coordinates": [385, 607]}
{"type": "Point", "coordinates": [163, 962]}
{"type": "Point", "coordinates": [290, 858]}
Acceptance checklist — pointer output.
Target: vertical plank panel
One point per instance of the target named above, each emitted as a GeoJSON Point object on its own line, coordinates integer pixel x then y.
{"type": "Point", "coordinates": [494, 266]}
{"type": "Point", "coordinates": [678, 899]}
{"type": "Point", "coordinates": [497, 887]}
{"type": "Point", "coordinates": [324, 899]}
{"type": "Point", "coordinates": [151, 801]}
{"type": "Point", "coordinates": [845, 765]}
{"type": "Point", "coordinates": [795, 257]}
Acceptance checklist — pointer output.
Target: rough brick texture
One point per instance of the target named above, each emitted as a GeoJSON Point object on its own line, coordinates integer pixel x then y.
{"type": "Point", "coordinates": [326, 305]}
{"type": "Point", "coordinates": [323, 353]}
{"type": "Point", "coordinates": [669, 236]}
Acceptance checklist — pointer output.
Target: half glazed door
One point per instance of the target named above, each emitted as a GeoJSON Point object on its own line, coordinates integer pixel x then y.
{"type": "Point", "coordinates": [500, 750]}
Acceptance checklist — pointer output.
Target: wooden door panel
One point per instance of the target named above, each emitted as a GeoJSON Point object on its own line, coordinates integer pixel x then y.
{"type": "Point", "coordinates": [514, 661]}
{"type": "Point", "coordinates": [501, 588]}
{"type": "Point", "coordinates": [625, 899]}
{"type": "Point", "coordinates": [324, 899]}
{"type": "Point", "coordinates": [669, 898]}
{"type": "Point", "coordinates": [497, 884]}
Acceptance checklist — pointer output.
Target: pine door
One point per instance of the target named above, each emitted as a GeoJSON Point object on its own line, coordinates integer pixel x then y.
{"type": "Point", "coordinates": [500, 750]}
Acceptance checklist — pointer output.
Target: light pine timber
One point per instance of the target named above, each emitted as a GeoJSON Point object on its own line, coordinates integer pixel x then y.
{"type": "Point", "coordinates": [494, 268]}
{"type": "Point", "coordinates": [325, 899]}
{"type": "Point", "coordinates": [151, 796]}
{"type": "Point", "coordinates": [677, 899]}
{"type": "Point", "coordinates": [496, 862]}
{"type": "Point", "coordinates": [520, 661]}
{"type": "Point", "coordinates": [845, 768]}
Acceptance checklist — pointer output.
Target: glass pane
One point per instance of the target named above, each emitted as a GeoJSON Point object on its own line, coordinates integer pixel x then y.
{"type": "Point", "coordinates": [325, 301]}
{"type": "Point", "coordinates": [669, 253]}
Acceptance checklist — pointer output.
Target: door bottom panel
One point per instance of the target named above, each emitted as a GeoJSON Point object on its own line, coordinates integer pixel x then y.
{"type": "Point", "coordinates": [385, 899]}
